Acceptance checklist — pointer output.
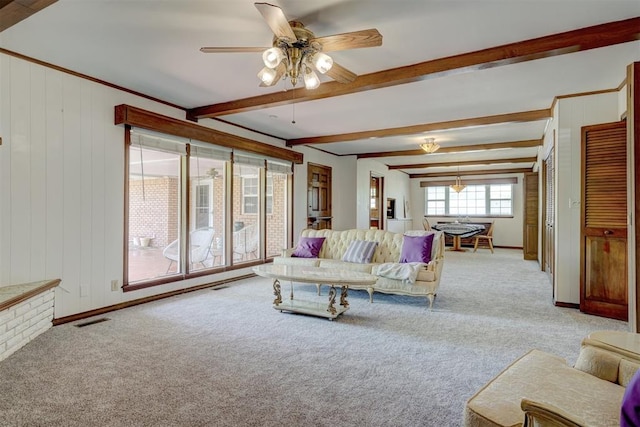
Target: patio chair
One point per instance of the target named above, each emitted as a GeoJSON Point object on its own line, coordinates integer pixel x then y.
{"type": "Point", "coordinates": [200, 241]}
{"type": "Point", "coordinates": [245, 242]}
{"type": "Point", "coordinates": [485, 237]}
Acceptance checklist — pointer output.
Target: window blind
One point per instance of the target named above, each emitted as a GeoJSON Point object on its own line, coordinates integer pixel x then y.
{"type": "Point", "coordinates": [158, 141]}
{"type": "Point", "coordinates": [242, 158]}
{"type": "Point", "coordinates": [209, 151]}
{"type": "Point", "coordinates": [280, 167]}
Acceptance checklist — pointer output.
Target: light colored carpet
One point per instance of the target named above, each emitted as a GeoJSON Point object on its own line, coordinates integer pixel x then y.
{"type": "Point", "coordinates": [226, 358]}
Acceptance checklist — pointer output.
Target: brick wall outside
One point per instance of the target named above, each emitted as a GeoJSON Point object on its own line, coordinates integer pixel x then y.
{"type": "Point", "coordinates": [21, 323]}
{"type": "Point", "coordinates": [157, 214]}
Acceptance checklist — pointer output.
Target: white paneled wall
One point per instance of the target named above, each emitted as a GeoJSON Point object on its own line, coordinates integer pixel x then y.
{"type": "Point", "coordinates": [396, 186]}
{"type": "Point", "coordinates": [62, 185]}
{"type": "Point", "coordinates": [572, 114]}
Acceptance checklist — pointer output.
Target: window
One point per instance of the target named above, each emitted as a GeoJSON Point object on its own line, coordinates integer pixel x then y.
{"type": "Point", "coordinates": [500, 200]}
{"type": "Point", "coordinates": [179, 201]}
{"type": "Point", "coordinates": [436, 200]}
{"type": "Point", "coordinates": [250, 195]}
{"type": "Point", "coordinates": [474, 200]}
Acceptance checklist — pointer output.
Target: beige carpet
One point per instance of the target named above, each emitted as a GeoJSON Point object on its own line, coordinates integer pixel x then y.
{"type": "Point", "coordinates": [227, 358]}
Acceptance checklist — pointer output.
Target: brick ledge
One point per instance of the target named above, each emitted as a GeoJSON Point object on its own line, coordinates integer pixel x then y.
{"type": "Point", "coordinates": [15, 294]}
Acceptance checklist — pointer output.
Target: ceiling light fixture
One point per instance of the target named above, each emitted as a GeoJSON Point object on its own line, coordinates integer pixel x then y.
{"type": "Point", "coordinates": [430, 145]}
{"type": "Point", "coordinates": [300, 58]}
{"type": "Point", "coordinates": [458, 186]}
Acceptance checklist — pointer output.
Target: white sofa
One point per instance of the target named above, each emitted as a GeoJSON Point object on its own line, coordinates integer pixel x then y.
{"type": "Point", "coordinates": [388, 250]}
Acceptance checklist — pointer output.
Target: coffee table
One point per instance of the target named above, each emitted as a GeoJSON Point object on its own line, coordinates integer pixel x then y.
{"type": "Point", "coordinates": [316, 275]}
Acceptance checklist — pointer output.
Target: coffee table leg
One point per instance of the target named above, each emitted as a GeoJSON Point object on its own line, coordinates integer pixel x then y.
{"type": "Point", "coordinates": [343, 296]}
{"type": "Point", "coordinates": [276, 292]}
{"type": "Point", "coordinates": [332, 300]}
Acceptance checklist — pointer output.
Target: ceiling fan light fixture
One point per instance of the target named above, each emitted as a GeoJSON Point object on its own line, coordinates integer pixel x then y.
{"type": "Point", "coordinates": [430, 145]}
{"type": "Point", "coordinates": [311, 80]}
{"type": "Point", "coordinates": [272, 57]}
{"type": "Point", "coordinates": [322, 62]}
{"type": "Point", "coordinates": [267, 75]}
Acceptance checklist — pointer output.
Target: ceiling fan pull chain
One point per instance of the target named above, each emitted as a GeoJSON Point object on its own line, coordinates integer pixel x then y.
{"type": "Point", "coordinates": [293, 104]}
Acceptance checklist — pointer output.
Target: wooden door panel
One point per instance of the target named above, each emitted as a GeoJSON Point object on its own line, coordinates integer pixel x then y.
{"type": "Point", "coordinates": [530, 246]}
{"type": "Point", "coordinates": [605, 281]}
{"type": "Point", "coordinates": [319, 196]}
{"type": "Point", "coordinates": [603, 247]}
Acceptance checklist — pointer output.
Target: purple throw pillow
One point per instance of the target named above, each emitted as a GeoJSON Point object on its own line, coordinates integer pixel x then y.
{"type": "Point", "coordinates": [417, 248]}
{"type": "Point", "coordinates": [308, 247]}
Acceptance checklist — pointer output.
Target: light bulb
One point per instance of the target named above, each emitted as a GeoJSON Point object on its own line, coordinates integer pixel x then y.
{"type": "Point", "coordinates": [272, 57]}
{"type": "Point", "coordinates": [322, 62]}
{"type": "Point", "coordinates": [267, 75]}
{"type": "Point", "coordinates": [311, 80]}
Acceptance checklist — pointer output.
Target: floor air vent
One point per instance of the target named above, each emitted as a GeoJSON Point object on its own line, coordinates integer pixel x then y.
{"type": "Point", "coordinates": [91, 322]}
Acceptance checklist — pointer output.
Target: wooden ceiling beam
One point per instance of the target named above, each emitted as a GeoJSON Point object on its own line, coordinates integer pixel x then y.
{"type": "Point", "coordinates": [468, 173]}
{"type": "Point", "coordinates": [520, 117]}
{"type": "Point", "coordinates": [465, 163]}
{"type": "Point", "coordinates": [587, 38]}
{"type": "Point", "coordinates": [14, 11]}
{"type": "Point", "coordinates": [457, 149]}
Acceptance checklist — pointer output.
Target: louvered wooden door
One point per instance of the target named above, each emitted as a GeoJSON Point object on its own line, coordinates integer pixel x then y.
{"type": "Point", "coordinates": [530, 237]}
{"type": "Point", "coordinates": [603, 249]}
{"type": "Point", "coordinates": [548, 249]}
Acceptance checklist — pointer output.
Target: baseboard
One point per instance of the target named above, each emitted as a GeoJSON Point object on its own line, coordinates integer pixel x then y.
{"type": "Point", "coordinates": [102, 310]}
{"type": "Point", "coordinates": [566, 304]}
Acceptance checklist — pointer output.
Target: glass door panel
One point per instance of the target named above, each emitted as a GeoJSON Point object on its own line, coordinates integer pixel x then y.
{"type": "Point", "coordinates": [154, 212]}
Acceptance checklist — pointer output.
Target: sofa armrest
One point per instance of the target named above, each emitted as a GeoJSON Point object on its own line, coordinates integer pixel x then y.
{"type": "Point", "coordinates": [286, 253]}
{"type": "Point", "coordinates": [538, 414]}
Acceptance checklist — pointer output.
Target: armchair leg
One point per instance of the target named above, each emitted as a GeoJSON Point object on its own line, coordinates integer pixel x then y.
{"type": "Point", "coordinates": [370, 290]}
{"type": "Point", "coordinates": [169, 268]}
{"type": "Point", "coordinates": [491, 245]}
{"type": "Point", "coordinates": [318, 286]}
{"type": "Point", "coordinates": [475, 246]}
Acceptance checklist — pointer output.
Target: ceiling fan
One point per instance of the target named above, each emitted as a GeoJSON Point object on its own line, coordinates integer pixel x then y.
{"type": "Point", "coordinates": [296, 52]}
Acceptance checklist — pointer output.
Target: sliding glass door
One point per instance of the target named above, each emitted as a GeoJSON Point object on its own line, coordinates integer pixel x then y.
{"type": "Point", "coordinates": [185, 218]}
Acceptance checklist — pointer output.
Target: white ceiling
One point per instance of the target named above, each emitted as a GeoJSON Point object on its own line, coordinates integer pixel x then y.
{"type": "Point", "coordinates": [152, 47]}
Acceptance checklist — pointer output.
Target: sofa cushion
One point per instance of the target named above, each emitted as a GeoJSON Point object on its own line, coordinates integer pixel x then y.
{"type": "Point", "coordinates": [417, 248]}
{"type": "Point", "coordinates": [342, 265]}
{"type": "Point", "coordinates": [360, 251]}
{"type": "Point", "coordinates": [308, 247]}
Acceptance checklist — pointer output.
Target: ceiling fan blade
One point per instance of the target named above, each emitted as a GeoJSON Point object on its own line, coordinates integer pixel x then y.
{"type": "Point", "coordinates": [276, 20]}
{"type": "Point", "coordinates": [232, 49]}
{"type": "Point", "coordinates": [280, 70]}
{"type": "Point", "coordinates": [353, 40]}
{"type": "Point", "coordinates": [341, 74]}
